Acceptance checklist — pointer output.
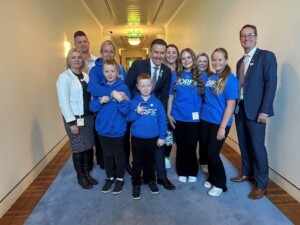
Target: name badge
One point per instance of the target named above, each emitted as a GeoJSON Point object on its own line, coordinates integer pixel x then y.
{"type": "Point", "coordinates": [195, 115]}
{"type": "Point", "coordinates": [80, 122]}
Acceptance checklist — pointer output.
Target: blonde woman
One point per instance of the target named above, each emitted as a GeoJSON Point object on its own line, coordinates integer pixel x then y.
{"type": "Point", "coordinates": [221, 92]}
{"type": "Point", "coordinates": [78, 120]}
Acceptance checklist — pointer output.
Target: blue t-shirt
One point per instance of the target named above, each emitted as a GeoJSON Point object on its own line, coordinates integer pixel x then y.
{"type": "Point", "coordinates": [204, 77]}
{"type": "Point", "coordinates": [214, 105]}
{"type": "Point", "coordinates": [187, 100]}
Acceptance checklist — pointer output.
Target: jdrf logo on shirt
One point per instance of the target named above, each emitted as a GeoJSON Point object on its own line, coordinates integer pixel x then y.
{"type": "Point", "coordinates": [150, 112]}
{"type": "Point", "coordinates": [187, 82]}
{"type": "Point", "coordinates": [210, 83]}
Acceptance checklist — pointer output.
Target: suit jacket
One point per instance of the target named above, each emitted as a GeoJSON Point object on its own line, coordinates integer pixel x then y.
{"type": "Point", "coordinates": [259, 84]}
{"type": "Point", "coordinates": [161, 90]}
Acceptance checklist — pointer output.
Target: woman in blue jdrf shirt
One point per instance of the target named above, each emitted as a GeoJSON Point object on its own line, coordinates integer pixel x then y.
{"type": "Point", "coordinates": [184, 107]}
{"type": "Point", "coordinates": [221, 92]}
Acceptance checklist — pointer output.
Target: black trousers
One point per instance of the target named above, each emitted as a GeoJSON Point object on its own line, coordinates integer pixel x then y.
{"type": "Point", "coordinates": [143, 154]}
{"type": "Point", "coordinates": [186, 136]}
{"type": "Point", "coordinates": [213, 146]}
{"type": "Point", "coordinates": [113, 156]}
{"type": "Point", "coordinates": [202, 151]}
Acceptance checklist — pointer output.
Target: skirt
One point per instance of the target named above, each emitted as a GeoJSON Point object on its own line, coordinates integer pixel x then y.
{"type": "Point", "coordinates": [84, 140]}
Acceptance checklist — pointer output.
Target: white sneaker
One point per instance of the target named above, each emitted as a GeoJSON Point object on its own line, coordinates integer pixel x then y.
{"type": "Point", "coordinates": [182, 179]}
{"type": "Point", "coordinates": [204, 168]}
{"type": "Point", "coordinates": [215, 191]}
{"type": "Point", "coordinates": [207, 185]}
{"type": "Point", "coordinates": [167, 163]}
{"type": "Point", "coordinates": [192, 179]}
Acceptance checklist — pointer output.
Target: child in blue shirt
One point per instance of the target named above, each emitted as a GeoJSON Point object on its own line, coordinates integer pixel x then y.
{"type": "Point", "coordinates": [148, 132]}
{"type": "Point", "coordinates": [111, 125]}
{"type": "Point", "coordinates": [184, 106]}
{"type": "Point", "coordinates": [221, 92]}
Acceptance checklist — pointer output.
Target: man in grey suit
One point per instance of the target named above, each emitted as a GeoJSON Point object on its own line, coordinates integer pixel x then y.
{"type": "Point", "coordinates": [257, 73]}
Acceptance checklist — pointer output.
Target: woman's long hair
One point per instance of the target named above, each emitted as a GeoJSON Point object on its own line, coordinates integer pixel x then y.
{"type": "Point", "coordinates": [196, 75]}
{"type": "Point", "coordinates": [220, 84]}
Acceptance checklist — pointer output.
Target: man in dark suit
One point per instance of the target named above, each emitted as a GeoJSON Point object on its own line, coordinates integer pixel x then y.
{"type": "Point", "coordinates": [257, 73]}
{"type": "Point", "coordinates": [161, 76]}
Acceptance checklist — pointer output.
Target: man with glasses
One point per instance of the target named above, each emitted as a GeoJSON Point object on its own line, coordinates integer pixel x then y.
{"type": "Point", "coordinates": [257, 73]}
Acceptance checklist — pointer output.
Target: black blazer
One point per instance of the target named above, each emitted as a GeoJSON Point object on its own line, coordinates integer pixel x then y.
{"type": "Point", "coordinates": [161, 90]}
{"type": "Point", "coordinates": [260, 84]}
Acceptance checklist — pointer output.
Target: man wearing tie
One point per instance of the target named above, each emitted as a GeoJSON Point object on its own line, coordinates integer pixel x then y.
{"type": "Point", "coordinates": [257, 73]}
{"type": "Point", "coordinates": [161, 79]}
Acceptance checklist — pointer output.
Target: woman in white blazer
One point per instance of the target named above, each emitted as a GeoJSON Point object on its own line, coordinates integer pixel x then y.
{"type": "Point", "coordinates": [78, 120]}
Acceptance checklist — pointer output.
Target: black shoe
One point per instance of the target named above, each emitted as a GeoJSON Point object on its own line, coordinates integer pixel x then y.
{"type": "Point", "coordinates": [166, 183]}
{"type": "Point", "coordinates": [118, 187]}
{"type": "Point", "coordinates": [108, 184]}
{"type": "Point", "coordinates": [153, 187]}
{"type": "Point", "coordinates": [90, 179]}
{"type": "Point", "coordinates": [129, 169]}
{"type": "Point", "coordinates": [84, 183]}
{"type": "Point", "coordinates": [136, 192]}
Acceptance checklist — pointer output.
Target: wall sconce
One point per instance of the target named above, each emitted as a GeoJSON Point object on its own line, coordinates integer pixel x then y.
{"type": "Point", "coordinates": [134, 37]}
{"type": "Point", "coordinates": [67, 46]}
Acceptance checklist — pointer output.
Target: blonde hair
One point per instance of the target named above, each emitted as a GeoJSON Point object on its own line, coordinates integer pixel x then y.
{"type": "Point", "coordinates": [68, 59]}
{"type": "Point", "coordinates": [105, 43]}
{"type": "Point", "coordinates": [220, 84]}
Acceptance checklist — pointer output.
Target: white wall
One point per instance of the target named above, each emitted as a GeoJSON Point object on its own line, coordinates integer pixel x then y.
{"type": "Point", "coordinates": [205, 25]}
{"type": "Point", "coordinates": [31, 57]}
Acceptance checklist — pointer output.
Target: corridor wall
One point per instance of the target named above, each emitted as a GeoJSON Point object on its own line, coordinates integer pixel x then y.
{"type": "Point", "coordinates": [31, 58]}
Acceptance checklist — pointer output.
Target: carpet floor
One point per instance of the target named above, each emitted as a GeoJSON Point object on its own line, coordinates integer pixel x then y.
{"type": "Point", "coordinates": [66, 203]}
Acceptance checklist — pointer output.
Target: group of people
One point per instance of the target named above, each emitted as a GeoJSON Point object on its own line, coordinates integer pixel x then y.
{"type": "Point", "coordinates": [171, 92]}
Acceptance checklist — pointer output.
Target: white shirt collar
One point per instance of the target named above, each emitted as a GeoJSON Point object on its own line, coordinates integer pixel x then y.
{"type": "Point", "coordinates": [153, 65]}
{"type": "Point", "coordinates": [251, 53]}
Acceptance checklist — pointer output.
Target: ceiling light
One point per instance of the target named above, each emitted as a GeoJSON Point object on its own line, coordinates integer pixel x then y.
{"type": "Point", "coordinates": [134, 41]}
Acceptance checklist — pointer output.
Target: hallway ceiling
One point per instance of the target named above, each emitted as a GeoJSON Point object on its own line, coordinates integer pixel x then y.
{"type": "Point", "coordinates": [118, 17]}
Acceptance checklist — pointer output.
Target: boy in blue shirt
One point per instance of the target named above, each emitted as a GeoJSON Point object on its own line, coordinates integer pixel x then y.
{"type": "Point", "coordinates": [148, 132]}
{"type": "Point", "coordinates": [111, 125]}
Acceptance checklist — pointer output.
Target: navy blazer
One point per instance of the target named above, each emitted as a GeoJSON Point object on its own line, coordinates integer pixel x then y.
{"type": "Point", "coordinates": [259, 84]}
{"type": "Point", "coordinates": [161, 90]}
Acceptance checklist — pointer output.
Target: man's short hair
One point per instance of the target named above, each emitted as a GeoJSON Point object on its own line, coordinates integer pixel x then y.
{"type": "Point", "coordinates": [250, 26]}
{"type": "Point", "coordinates": [79, 33]}
{"type": "Point", "coordinates": [158, 42]}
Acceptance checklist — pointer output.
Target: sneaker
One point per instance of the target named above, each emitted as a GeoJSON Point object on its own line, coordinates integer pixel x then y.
{"type": "Point", "coordinates": [215, 191]}
{"type": "Point", "coordinates": [182, 179]}
{"type": "Point", "coordinates": [207, 185]}
{"type": "Point", "coordinates": [204, 168]}
{"type": "Point", "coordinates": [107, 186]}
{"type": "Point", "coordinates": [136, 192]}
{"type": "Point", "coordinates": [118, 187]}
{"type": "Point", "coordinates": [167, 163]}
{"type": "Point", "coordinates": [153, 187]}
{"type": "Point", "coordinates": [192, 179]}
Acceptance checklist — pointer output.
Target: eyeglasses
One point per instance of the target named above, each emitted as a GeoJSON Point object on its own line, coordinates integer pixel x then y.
{"type": "Point", "coordinates": [247, 36]}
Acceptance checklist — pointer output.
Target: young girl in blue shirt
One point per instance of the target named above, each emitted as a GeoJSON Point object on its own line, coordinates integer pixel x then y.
{"type": "Point", "coordinates": [221, 92]}
{"type": "Point", "coordinates": [203, 65]}
{"type": "Point", "coordinates": [184, 108]}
